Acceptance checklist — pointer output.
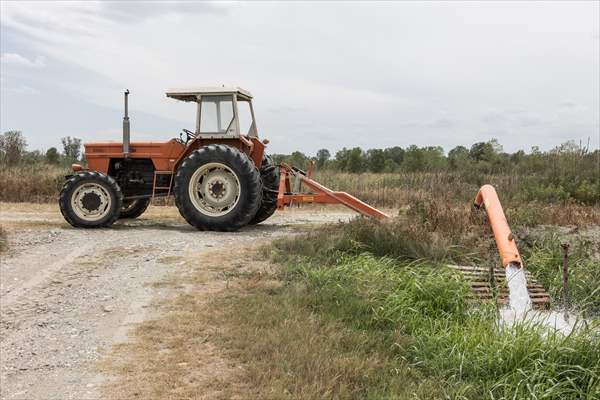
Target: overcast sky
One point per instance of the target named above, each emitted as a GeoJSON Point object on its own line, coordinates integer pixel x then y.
{"type": "Point", "coordinates": [323, 74]}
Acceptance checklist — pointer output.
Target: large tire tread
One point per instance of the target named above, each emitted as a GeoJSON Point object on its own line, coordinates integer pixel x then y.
{"type": "Point", "coordinates": [247, 173]}
{"type": "Point", "coordinates": [136, 211]}
{"type": "Point", "coordinates": [269, 174]}
{"type": "Point", "coordinates": [72, 181]}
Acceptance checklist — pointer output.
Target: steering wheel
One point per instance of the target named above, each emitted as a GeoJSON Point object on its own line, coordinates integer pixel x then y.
{"type": "Point", "coordinates": [189, 135]}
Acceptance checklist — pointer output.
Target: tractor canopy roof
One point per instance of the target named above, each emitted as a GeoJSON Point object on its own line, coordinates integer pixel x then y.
{"type": "Point", "coordinates": [192, 93]}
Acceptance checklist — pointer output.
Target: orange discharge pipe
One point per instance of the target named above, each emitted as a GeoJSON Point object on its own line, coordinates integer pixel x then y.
{"type": "Point", "coordinates": [509, 254]}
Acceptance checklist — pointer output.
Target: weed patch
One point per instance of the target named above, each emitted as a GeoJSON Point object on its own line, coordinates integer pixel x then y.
{"type": "Point", "coordinates": [544, 259]}
{"type": "Point", "coordinates": [420, 309]}
{"type": "Point", "coordinates": [420, 312]}
{"type": "Point", "coordinates": [35, 183]}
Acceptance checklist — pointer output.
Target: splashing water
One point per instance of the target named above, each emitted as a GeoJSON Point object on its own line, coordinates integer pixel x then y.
{"type": "Point", "coordinates": [518, 295]}
{"type": "Point", "coordinates": [520, 309]}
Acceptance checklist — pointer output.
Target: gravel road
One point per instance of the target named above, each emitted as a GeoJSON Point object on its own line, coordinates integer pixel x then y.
{"type": "Point", "coordinates": [67, 295]}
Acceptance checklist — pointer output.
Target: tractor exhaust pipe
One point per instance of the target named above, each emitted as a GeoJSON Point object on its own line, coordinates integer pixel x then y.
{"type": "Point", "coordinates": [126, 127]}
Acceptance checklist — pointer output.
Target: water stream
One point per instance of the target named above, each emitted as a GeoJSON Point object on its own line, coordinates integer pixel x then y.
{"type": "Point", "coordinates": [518, 295]}
{"type": "Point", "coordinates": [520, 306]}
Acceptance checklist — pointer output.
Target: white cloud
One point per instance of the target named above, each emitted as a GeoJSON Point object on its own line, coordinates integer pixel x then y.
{"type": "Point", "coordinates": [19, 60]}
{"type": "Point", "coordinates": [22, 90]}
{"type": "Point", "coordinates": [336, 74]}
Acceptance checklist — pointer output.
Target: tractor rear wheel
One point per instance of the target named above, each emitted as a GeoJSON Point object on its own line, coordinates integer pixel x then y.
{"type": "Point", "coordinates": [269, 175]}
{"type": "Point", "coordinates": [90, 199]}
{"type": "Point", "coordinates": [217, 188]}
{"type": "Point", "coordinates": [133, 208]}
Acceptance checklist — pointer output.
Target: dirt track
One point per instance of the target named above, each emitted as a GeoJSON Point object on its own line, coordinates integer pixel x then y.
{"type": "Point", "coordinates": [67, 295]}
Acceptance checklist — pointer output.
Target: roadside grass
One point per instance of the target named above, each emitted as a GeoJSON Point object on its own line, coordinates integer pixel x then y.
{"type": "Point", "coordinates": [408, 237]}
{"type": "Point", "coordinates": [27, 207]}
{"type": "Point", "coordinates": [34, 183]}
{"type": "Point", "coordinates": [170, 357]}
{"type": "Point", "coordinates": [16, 225]}
{"type": "Point", "coordinates": [457, 236]}
{"type": "Point", "coordinates": [174, 354]}
{"type": "Point", "coordinates": [465, 349]}
{"type": "Point", "coordinates": [333, 320]}
{"type": "Point", "coordinates": [372, 327]}
{"type": "Point", "coordinates": [290, 351]}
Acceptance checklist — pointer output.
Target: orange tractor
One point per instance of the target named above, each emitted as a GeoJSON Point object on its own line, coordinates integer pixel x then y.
{"type": "Point", "coordinates": [219, 173]}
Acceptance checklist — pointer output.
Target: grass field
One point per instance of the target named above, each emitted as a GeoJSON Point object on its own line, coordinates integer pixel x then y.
{"type": "Point", "coordinates": [368, 327]}
{"type": "Point", "coordinates": [346, 312]}
{"type": "Point", "coordinates": [368, 309]}
{"type": "Point", "coordinates": [403, 325]}
{"type": "Point", "coordinates": [426, 193]}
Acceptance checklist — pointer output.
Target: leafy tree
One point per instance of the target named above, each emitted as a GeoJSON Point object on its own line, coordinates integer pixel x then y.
{"type": "Point", "coordinates": [356, 160]}
{"type": "Point", "coordinates": [323, 156]}
{"type": "Point", "coordinates": [375, 160]}
{"type": "Point", "coordinates": [414, 159]}
{"type": "Point", "coordinates": [396, 154]}
{"type": "Point", "coordinates": [433, 158]}
{"type": "Point", "coordinates": [278, 158]}
{"type": "Point", "coordinates": [341, 158]}
{"type": "Point", "coordinates": [458, 157]}
{"type": "Point", "coordinates": [298, 160]}
{"type": "Point", "coordinates": [496, 146]}
{"type": "Point", "coordinates": [518, 157]}
{"type": "Point", "coordinates": [482, 151]}
{"type": "Point", "coordinates": [390, 166]}
{"type": "Point", "coordinates": [52, 156]}
{"type": "Point", "coordinates": [72, 148]}
{"type": "Point", "coordinates": [12, 147]}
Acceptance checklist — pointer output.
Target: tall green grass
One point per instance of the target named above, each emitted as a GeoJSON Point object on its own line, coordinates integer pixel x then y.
{"type": "Point", "coordinates": [421, 311]}
{"type": "Point", "coordinates": [441, 233]}
{"type": "Point", "coordinates": [544, 259]}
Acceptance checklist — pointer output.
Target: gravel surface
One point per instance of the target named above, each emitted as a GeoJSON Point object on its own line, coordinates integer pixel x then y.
{"type": "Point", "coordinates": [67, 295]}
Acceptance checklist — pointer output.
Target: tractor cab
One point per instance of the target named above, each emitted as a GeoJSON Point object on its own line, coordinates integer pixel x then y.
{"type": "Point", "coordinates": [222, 112]}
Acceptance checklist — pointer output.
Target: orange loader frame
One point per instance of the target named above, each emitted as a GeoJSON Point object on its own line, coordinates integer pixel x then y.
{"type": "Point", "coordinates": [318, 194]}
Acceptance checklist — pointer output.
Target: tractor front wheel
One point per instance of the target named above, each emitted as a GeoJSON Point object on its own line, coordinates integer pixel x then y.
{"type": "Point", "coordinates": [217, 188]}
{"type": "Point", "coordinates": [133, 208]}
{"type": "Point", "coordinates": [90, 199]}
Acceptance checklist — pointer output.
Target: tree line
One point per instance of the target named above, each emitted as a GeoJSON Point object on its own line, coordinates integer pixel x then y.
{"type": "Point", "coordinates": [569, 170]}
{"type": "Point", "coordinates": [485, 157]}
{"type": "Point", "coordinates": [13, 151]}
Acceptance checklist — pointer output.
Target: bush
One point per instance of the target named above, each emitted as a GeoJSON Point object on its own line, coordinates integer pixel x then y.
{"type": "Point", "coordinates": [549, 193]}
{"type": "Point", "coordinates": [587, 192]}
